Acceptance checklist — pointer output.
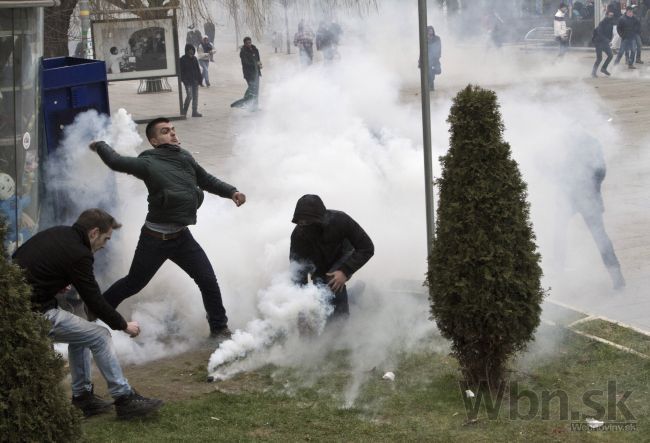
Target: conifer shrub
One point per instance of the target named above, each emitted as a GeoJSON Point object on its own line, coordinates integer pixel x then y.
{"type": "Point", "coordinates": [484, 273]}
{"type": "Point", "coordinates": [33, 404]}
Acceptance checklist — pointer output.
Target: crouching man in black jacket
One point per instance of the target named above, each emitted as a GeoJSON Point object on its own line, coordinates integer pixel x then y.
{"type": "Point", "coordinates": [62, 256]}
{"type": "Point", "coordinates": [330, 246]}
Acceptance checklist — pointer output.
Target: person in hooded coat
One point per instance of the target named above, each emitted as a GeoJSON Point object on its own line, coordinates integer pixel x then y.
{"type": "Point", "coordinates": [191, 78]}
{"type": "Point", "coordinates": [330, 246]}
{"type": "Point", "coordinates": [602, 39]}
{"type": "Point", "coordinates": [434, 48]}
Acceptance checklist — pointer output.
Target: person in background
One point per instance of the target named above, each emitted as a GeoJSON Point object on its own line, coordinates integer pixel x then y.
{"type": "Point", "coordinates": [627, 28]}
{"type": "Point", "coordinates": [252, 69]}
{"type": "Point", "coordinates": [191, 78]}
{"type": "Point", "coordinates": [304, 40]}
{"type": "Point", "coordinates": [206, 50]}
{"type": "Point", "coordinates": [560, 29]}
{"type": "Point", "coordinates": [434, 47]}
{"type": "Point", "coordinates": [602, 40]}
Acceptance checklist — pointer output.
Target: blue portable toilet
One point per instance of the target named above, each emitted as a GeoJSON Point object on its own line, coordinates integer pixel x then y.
{"type": "Point", "coordinates": [70, 86]}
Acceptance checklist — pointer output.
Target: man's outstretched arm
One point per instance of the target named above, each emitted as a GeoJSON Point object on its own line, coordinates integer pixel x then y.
{"type": "Point", "coordinates": [131, 165]}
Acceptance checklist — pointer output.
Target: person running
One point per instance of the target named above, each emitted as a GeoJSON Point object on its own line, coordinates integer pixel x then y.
{"type": "Point", "coordinates": [602, 40]}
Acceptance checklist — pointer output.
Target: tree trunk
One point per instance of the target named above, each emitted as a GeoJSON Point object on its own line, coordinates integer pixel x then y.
{"type": "Point", "coordinates": [57, 23]}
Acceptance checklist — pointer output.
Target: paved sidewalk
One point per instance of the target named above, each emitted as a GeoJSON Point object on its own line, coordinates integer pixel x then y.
{"type": "Point", "coordinates": [212, 138]}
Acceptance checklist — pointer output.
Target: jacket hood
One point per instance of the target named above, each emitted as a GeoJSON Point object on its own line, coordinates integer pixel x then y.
{"type": "Point", "coordinates": [309, 208]}
{"type": "Point", "coordinates": [189, 47]}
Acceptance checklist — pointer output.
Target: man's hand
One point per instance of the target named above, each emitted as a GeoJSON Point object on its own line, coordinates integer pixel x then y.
{"type": "Point", "coordinates": [337, 280]}
{"type": "Point", "coordinates": [132, 328]}
{"type": "Point", "coordinates": [93, 146]}
{"type": "Point", "coordinates": [239, 198]}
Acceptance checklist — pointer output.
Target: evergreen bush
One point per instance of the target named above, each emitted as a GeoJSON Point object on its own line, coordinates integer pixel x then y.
{"type": "Point", "coordinates": [33, 405]}
{"type": "Point", "coordinates": [484, 273]}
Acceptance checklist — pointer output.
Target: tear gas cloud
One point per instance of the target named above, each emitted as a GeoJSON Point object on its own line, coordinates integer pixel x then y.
{"type": "Point", "coordinates": [350, 132]}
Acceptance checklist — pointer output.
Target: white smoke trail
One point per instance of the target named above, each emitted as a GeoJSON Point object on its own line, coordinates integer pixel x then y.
{"type": "Point", "coordinates": [280, 307]}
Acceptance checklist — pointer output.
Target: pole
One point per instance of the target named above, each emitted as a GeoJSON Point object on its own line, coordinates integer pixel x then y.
{"type": "Point", "coordinates": [426, 121]}
{"type": "Point", "coordinates": [84, 17]}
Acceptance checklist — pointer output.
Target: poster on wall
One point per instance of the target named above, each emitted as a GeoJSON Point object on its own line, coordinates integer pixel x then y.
{"type": "Point", "coordinates": [135, 48]}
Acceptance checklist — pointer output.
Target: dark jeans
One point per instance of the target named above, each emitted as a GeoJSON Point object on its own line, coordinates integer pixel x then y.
{"type": "Point", "coordinates": [432, 77]}
{"type": "Point", "coordinates": [628, 47]}
{"type": "Point", "coordinates": [599, 56]}
{"type": "Point", "coordinates": [564, 46]}
{"type": "Point", "coordinates": [639, 43]}
{"type": "Point", "coordinates": [151, 253]}
{"type": "Point", "coordinates": [250, 96]}
{"type": "Point", "coordinates": [191, 95]}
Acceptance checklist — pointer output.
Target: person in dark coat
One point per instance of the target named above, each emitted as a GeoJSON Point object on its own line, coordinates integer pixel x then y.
{"type": "Point", "coordinates": [434, 48]}
{"type": "Point", "coordinates": [330, 246]}
{"type": "Point", "coordinates": [62, 256]}
{"type": "Point", "coordinates": [252, 68]}
{"type": "Point", "coordinates": [210, 31]}
{"type": "Point", "coordinates": [627, 28]}
{"type": "Point", "coordinates": [191, 78]}
{"type": "Point", "coordinates": [175, 182]}
{"type": "Point", "coordinates": [581, 179]}
{"type": "Point", "coordinates": [602, 39]}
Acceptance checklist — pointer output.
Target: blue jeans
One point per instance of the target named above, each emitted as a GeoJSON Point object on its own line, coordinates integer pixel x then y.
{"type": "Point", "coordinates": [628, 47]}
{"type": "Point", "coordinates": [84, 338]}
{"type": "Point", "coordinates": [151, 253]}
{"type": "Point", "coordinates": [250, 96]}
{"type": "Point", "coordinates": [639, 44]}
{"type": "Point", "coordinates": [205, 64]}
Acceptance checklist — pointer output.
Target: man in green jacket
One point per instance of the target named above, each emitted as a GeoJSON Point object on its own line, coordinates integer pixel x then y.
{"type": "Point", "coordinates": [175, 182]}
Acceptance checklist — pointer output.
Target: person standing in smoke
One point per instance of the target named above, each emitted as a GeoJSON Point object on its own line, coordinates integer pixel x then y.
{"type": "Point", "coordinates": [191, 78]}
{"type": "Point", "coordinates": [175, 182]}
{"type": "Point", "coordinates": [627, 28]}
{"type": "Point", "coordinates": [330, 246]}
{"type": "Point", "coordinates": [637, 33]}
{"type": "Point", "coordinates": [602, 40]}
{"type": "Point", "coordinates": [206, 50]}
{"type": "Point", "coordinates": [304, 40]}
{"type": "Point", "coordinates": [582, 176]}
{"type": "Point", "coordinates": [62, 256]}
{"type": "Point", "coordinates": [560, 29]}
{"type": "Point", "coordinates": [434, 48]}
{"type": "Point", "coordinates": [209, 30]}
{"type": "Point", "coordinates": [252, 68]}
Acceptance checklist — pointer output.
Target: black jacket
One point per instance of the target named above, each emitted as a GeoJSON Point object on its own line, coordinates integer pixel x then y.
{"type": "Point", "coordinates": [604, 32]}
{"type": "Point", "coordinates": [628, 27]}
{"type": "Point", "coordinates": [175, 181]}
{"type": "Point", "coordinates": [333, 242]}
{"type": "Point", "coordinates": [249, 59]}
{"type": "Point", "coordinates": [58, 257]}
{"type": "Point", "coordinates": [190, 71]}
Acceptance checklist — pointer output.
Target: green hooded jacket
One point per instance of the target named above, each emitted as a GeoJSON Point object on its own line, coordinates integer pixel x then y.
{"type": "Point", "coordinates": [175, 181]}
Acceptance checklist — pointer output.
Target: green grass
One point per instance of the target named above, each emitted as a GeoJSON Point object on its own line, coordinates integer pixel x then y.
{"type": "Point", "coordinates": [617, 334]}
{"type": "Point", "coordinates": [423, 404]}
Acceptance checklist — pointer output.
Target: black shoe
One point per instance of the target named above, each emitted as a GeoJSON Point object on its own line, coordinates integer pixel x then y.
{"type": "Point", "coordinates": [91, 404]}
{"type": "Point", "coordinates": [220, 335]}
{"type": "Point", "coordinates": [134, 405]}
{"type": "Point", "coordinates": [639, 62]}
{"type": "Point", "coordinates": [197, 114]}
{"type": "Point", "coordinates": [605, 71]}
{"type": "Point", "coordinates": [631, 67]}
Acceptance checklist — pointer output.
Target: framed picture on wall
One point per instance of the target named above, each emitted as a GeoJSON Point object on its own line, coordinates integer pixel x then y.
{"type": "Point", "coordinates": [135, 48]}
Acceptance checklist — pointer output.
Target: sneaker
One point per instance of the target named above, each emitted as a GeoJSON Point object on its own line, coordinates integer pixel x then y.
{"type": "Point", "coordinates": [197, 114]}
{"type": "Point", "coordinates": [605, 71]}
{"type": "Point", "coordinates": [91, 404]}
{"type": "Point", "coordinates": [631, 67]}
{"type": "Point", "coordinates": [639, 62]}
{"type": "Point", "coordinates": [134, 405]}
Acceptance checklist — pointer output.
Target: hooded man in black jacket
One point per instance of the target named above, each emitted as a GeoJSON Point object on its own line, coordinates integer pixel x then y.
{"type": "Point", "coordinates": [628, 27]}
{"type": "Point", "coordinates": [252, 68]}
{"type": "Point", "coordinates": [330, 246]}
{"type": "Point", "coordinates": [175, 182]}
{"type": "Point", "coordinates": [191, 78]}
{"type": "Point", "coordinates": [62, 256]}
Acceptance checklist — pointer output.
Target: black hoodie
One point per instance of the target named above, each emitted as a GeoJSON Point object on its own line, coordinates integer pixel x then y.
{"type": "Point", "coordinates": [190, 71]}
{"type": "Point", "coordinates": [332, 242]}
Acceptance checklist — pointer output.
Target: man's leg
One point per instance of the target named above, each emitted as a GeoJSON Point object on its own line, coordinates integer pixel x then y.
{"type": "Point", "coordinates": [149, 256]}
{"type": "Point", "coordinates": [340, 303]}
{"type": "Point", "coordinates": [205, 64]}
{"type": "Point", "coordinates": [191, 258]}
{"type": "Point", "coordinates": [608, 52]}
{"type": "Point", "coordinates": [188, 97]}
{"type": "Point", "coordinates": [594, 221]}
{"type": "Point", "coordinates": [599, 58]}
{"type": "Point", "coordinates": [195, 100]}
{"type": "Point", "coordinates": [639, 43]}
{"type": "Point", "coordinates": [81, 336]}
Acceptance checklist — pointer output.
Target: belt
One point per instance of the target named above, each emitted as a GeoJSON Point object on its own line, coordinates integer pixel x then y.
{"type": "Point", "coordinates": [161, 236]}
